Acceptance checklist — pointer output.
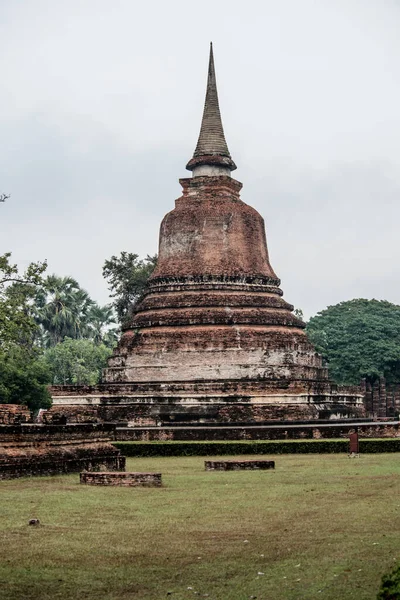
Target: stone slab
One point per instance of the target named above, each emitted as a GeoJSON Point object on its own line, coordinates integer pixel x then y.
{"type": "Point", "coordinates": [238, 465]}
{"type": "Point", "coordinates": [125, 479]}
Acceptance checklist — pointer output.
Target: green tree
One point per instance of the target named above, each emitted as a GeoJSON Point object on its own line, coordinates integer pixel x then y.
{"type": "Point", "coordinates": [358, 338]}
{"type": "Point", "coordinates": [24, 379]}
{"type": "Point", "coordinates": [17, 294]}
{"type": "Point", "coordinates": [76, 362]}
{"type": "Point", "coordinates": [127, 276]}
{"type": "Point", "coordinates": [62, 309]}
{"type": "Point", "coordinates": [99, 321]}
{"type": "Point", "coordinates": [23, 376]}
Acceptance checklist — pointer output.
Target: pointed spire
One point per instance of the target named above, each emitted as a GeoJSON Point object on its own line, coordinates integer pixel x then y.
{"type": "Point", "coordinates": [211, 149]}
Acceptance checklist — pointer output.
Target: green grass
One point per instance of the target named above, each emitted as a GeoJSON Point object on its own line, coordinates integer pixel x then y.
{"type": "Point", "coordinates": [319, 526]}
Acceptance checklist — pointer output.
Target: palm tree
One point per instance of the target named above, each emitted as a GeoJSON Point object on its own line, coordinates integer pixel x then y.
{"type": "Point", "coordinates": [62, 308]}
{"type": "Point", "coordinates": [99, 319]}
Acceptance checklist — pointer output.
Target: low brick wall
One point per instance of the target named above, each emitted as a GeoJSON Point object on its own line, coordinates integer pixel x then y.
{"type": "Point", "coordinates": [27, 450]}
{"type": "Point", "coordinates": [259, 432]}
{"type": "Point", "coordinates": [121, 479]}
{"type": "Point", "coordinates": [60, 464]}
{"type": "Point", "coordinates": [11, 414]}
{"type": "Point", "coordinates": [238, 465]}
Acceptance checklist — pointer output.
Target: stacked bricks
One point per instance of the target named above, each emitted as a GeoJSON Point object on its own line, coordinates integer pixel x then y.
{"type": "Point", "coordinates": [238, 465]}
{"type": "Point", "coordinates": [121, 479]}
{"type": "Point", "coordinates": [13, 414]}
{"type": "Point", "coordinates": [32, 449]}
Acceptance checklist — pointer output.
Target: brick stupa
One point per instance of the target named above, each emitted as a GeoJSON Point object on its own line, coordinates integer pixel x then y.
{"type": "Point", "coordinates": [212, 338]}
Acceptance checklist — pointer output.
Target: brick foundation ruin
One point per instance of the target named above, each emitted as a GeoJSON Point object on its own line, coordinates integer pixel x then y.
{"type": "Point", "coordinates": [122, 479]}
{"type": "Point", "coordinates": [239, 465]}
{"type": "Point", "coordinates": [13, 414]}
{"type": "Point", "coordinates": [29, 449]}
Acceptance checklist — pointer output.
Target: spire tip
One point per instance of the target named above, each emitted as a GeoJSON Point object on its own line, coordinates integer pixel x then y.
{"type": "Point", "coordinates": [211, 150]}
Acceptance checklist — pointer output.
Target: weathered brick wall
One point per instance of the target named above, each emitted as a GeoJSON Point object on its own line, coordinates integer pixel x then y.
{"type": "Point", "coordinates": [33, 433]}
{"type": "Point", "coordinates": [382, 399]}
{"type": "Point", "coordinates": [133, 414]}
{"type": "Point", "coordinates": [122, 479]}
{"type": "Point", "coordinates": [211, 230]}
{"type": "Point", "coordinates": [27, 450]}
{"type": "Point", "coordinates": [12, 414]}
{"type": "Point", "coordinates": [158, 411]}
{"type": "Point", "coordinates": [260, 432]}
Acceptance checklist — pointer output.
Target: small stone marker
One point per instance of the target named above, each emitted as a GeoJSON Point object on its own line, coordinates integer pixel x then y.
{"type": "Point", "coordinates": [238, 465]}
{"type": "Point", "coordinates": [121, 478]}
{"type": "Point", "coordinates": [354, 445]}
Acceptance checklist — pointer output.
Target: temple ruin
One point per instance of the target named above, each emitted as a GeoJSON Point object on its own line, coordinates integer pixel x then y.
{"type": "Point", "coordinates": [212, 339]}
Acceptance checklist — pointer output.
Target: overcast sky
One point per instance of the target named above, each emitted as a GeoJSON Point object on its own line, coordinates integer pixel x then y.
{"type": "Point", "coordinates": [101, 103]}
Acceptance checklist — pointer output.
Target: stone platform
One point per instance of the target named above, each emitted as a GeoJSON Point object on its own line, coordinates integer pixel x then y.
{"type": "Point", "coordinates": [154, 403]}
{"type": "Point", "coordinates": [238, 465]}
{"type": "Point", "coordinates": [268, 431]}
{"type": "Point", "coordinates": [125, 479]}
{"type": "Point", "coordinates": [28, 449]}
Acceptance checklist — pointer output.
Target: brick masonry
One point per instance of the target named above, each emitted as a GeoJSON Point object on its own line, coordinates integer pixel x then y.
{"type": "Point", "coordinates": [259, 432]}
{"type": "Point", "coordinates": [212, 338]}
{"type": "Point", "coordinates": [121, 479]}
{"type": "Point", "coordinates": [27, 450]}
{"type": "Point", "coordinates": [11, 414]}
{"type": "Point", "coordinates": [238, 465]}
{"type": "Point", "coordinates": [382, 399]}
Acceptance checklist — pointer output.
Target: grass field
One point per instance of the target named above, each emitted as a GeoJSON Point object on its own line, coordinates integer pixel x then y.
{"type": "Point", "coordinates": [319, 526]}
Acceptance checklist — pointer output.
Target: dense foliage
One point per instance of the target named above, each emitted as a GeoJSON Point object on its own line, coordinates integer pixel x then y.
{"type": "Point", "coordinates": [23, 379]}
{"type": "Point", "coordinates": [63, 309]}
{"type": "Point", "coordinates": [23, 376]}
{"type": "Point", "coordinates": [76, 362]}
{"type": "Point", "coordinates": [17, 294]}
{"type": "Point", "coordinates": [51, 331]}
{"type": "Point", "coordinates": [359, 338]}
{"type": "Point", "coordinates": [390, 588]}
{"type": "Point", "coordinates": [127, 276]}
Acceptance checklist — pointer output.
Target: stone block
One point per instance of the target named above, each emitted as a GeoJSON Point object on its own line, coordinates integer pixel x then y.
{"type": "Point", "coordinates": [121, 479]}
{"type": "Point", "coordinates": [238, 465]}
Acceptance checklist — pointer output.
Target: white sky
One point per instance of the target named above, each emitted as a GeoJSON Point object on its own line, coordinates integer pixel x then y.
{"type": "Point", "coordinates": [101, 105]}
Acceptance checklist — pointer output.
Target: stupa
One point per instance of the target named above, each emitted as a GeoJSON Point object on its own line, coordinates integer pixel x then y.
{"type": "Point", "coordinates": [212, 338]}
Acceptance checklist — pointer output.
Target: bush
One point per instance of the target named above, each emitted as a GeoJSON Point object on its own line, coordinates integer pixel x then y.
{"type": "Point", "coordinates": [142, 449]}
{"type": "Point", "coordinates": [390, 588]}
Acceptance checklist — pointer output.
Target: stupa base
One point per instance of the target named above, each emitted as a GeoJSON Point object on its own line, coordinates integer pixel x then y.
{"type": "Point", "coordinates": [228, 402]}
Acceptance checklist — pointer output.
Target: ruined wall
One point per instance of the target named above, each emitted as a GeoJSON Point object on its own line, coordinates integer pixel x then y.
{"type": "Point", "coordinates": [11, 414]}
{"type": "Point", "coordinates": [382, 399]}
{"type": "Point", "coordinates": [122, 479]}
{"type": "Point", "coordinates": [259, 432]}
{"type": "Point", "coordinates": [27, 450]}
{"type": "Point", "coordinates": [204, 402]}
